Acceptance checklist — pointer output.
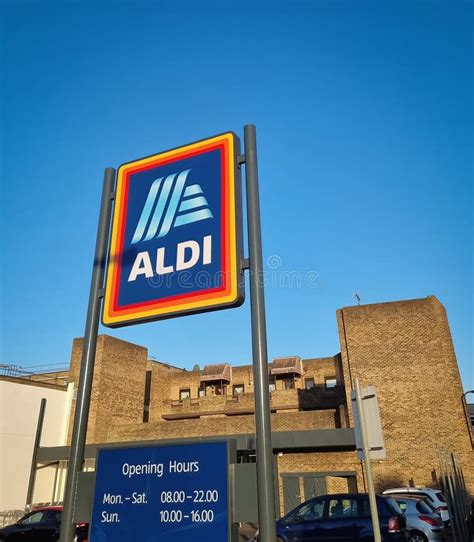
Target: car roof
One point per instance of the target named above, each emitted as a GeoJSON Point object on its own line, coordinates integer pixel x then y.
{"type": "Point", "coordinates": [345, 495]}
{"type": "Point", "coordinates": [410, 490]}
{"type": "Point", "coordinates": [414, 491]}
{"type": "Point", "coordinates": [410, 498]}
{"type": "Point", "coordinates": [41, 508]}
{"type": "Point", "coordinates": [341, 495]}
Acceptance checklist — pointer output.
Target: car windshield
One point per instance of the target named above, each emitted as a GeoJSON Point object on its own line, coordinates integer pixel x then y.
{"type": "Point", "coordinates": [401, 504]}
{"type": "Point", "coordinates": [394, 507]}
{"type": "Point", "coordinates": [34, 517]}
{"type": "Point", "coordinates": [429, 504]}
{"type": "Point", "coordinates": [423, 508]}
{"type": "Point", "coordinates": [427, 496]}
{"type": "Point", "coordinates": [440, 497]}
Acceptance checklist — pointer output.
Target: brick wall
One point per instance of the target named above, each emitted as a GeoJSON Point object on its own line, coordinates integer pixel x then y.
{"type": "Point", "coordinates": [162, 392]}
{"type": "Point", "coordinates": [60, 378]}
{"type": "Point", "coordinates": [217, 425]}
{"type": "Point", "coordinates": [405, 350]}
{"type": "Point", "coordinates": [321, 368]}
{"type": "Point", "coordinates": [337, 484]}
{"type": "Point", "coordinates": [118, 385]}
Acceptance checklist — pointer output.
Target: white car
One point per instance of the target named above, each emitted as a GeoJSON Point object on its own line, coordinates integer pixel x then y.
{"type": "Point", "coordinates": [433, 496]}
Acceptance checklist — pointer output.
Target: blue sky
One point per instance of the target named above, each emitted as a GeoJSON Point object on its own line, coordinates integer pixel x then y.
{"type": "Point", "coordinates": [364, 120]}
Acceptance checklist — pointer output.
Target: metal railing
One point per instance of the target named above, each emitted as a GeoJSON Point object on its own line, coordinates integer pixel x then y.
{"type": "Point", "coordinates": [7, 517]}
{"type": "Point", "coordinates": [49, 373]}
{"type": "Point", "coordinates": [457, 497]}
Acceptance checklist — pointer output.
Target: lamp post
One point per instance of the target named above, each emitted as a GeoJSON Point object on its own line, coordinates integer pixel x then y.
{"type": "Point", "coordinates": [466, 393]}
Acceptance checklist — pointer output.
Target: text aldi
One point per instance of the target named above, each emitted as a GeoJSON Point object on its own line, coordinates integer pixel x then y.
{"type": "Point", "coordinates": [176, 234]}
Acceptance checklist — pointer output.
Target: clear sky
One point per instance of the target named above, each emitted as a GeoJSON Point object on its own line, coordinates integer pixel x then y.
{"type": "Point", "coordinates": [364, 115]}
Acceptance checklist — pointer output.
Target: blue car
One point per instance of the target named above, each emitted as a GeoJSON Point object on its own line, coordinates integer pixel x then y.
{"type": "Point", "coordinates": [342, 517]}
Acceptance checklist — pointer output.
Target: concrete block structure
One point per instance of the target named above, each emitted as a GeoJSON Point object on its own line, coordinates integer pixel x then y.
{"type": "Point", "coordinates": [402, 348]}
{"type": "Point", "coordinates": [20, 401]}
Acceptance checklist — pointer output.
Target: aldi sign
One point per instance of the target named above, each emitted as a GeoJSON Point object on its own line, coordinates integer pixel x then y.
{"type": "Point", "coordinates": [176, 234]}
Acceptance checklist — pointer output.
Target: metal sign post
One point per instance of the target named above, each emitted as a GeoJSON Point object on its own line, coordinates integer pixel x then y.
{"type": "Point", "coordinates": [78, 442]}
{"type": "Point", "coordinates": [266, 494]}
{"type": "Point", "coordinates": [368, 466]}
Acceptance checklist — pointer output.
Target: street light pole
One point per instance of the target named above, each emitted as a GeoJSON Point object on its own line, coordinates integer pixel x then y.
{"type": "Point", "coordinates": [466, 393]}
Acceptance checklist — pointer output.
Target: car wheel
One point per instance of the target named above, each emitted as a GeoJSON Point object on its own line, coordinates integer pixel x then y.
{"type": "Point", "coordinates": [416, 536]}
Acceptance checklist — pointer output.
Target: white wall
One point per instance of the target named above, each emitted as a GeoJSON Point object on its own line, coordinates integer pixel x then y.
{"type": "Point", "coordinates": [19, 409]}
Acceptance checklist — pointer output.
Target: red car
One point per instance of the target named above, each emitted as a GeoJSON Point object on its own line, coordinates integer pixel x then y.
{"type": "Point", "coordinates": [40, 525]}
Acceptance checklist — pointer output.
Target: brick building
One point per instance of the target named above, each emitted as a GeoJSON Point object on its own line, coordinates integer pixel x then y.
{"type": "Point", "coordinates": [403, 348]}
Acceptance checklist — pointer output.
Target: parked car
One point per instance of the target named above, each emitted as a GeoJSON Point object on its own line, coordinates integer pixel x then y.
{"type": "Point", "coordinates": [433, 496]}
{"type": "Point", "coordinates": [344, 516]}
{"type": "Point", "coordinates": [423, 522]}
{"type": "Point", "coordinates": [40, 525]}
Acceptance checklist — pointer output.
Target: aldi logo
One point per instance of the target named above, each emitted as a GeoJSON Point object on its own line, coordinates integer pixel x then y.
{"type": "Point", "coordinates": [176, 234]}
{"type": "Point", "coordinates": [169, 197]}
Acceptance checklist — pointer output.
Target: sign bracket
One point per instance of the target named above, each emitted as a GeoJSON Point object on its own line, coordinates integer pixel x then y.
{"type": "Point", "coordinates": [244, 264]}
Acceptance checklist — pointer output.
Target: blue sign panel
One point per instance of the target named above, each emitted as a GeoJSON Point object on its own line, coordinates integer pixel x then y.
{"type": "Point", "coordinates": [174, 493]}
{"type": "Point", "coordinates": [176, 234]}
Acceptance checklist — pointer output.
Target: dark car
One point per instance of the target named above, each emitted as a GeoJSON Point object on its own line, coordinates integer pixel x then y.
{"type": "Point", "coordinates": [40, 525]}
{"type": "Point", "coordinates": [344, 516]}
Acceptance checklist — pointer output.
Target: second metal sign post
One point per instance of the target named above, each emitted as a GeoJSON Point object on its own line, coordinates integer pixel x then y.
{"type": "Point", "coordinates": [265, 487]}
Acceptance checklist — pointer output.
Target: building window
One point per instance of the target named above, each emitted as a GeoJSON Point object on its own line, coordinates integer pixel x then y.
{"type": "Point", "coordinates": [330, 382]}
{"type": "Point", "coordinates": [220, 390]}
{"type": "Point", "coordinates": [272, 383]}
{"type": "Point", "coordinates": [238, 389]}
{"type": "Point", "coordinates": [246, 456]}
{"type": "Point", "coordinates": [202, 391]}
{"type": "Point", "coordinates": [309, 383]}
{"type": "Point", "coordinates": [184, 394]}
{"type": "Point", "coordinates": [146, 399]}
{"type": "Point", "coordinates": [288, 384]}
